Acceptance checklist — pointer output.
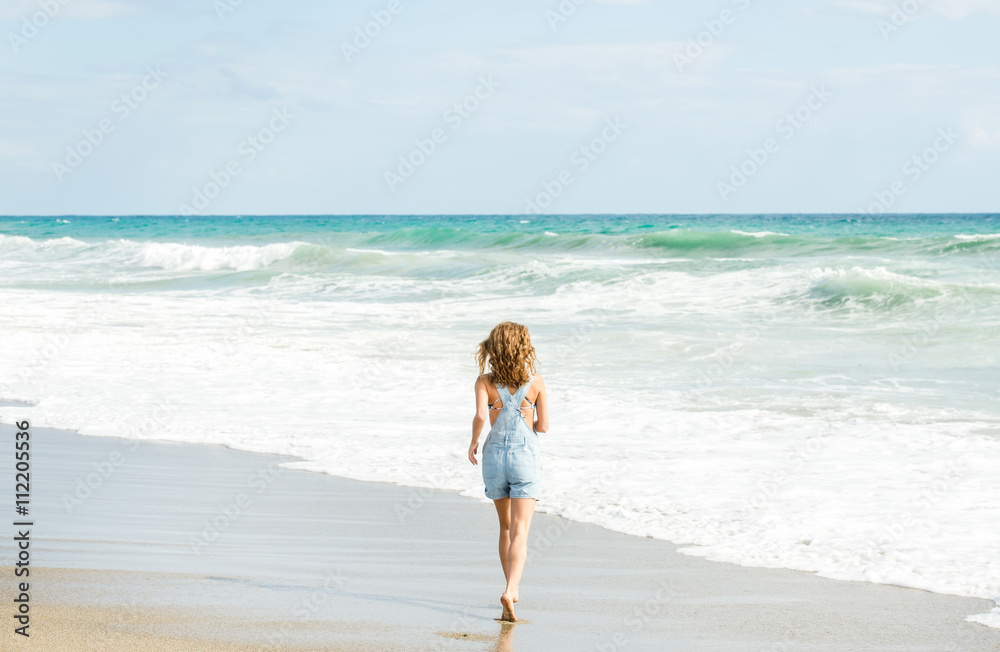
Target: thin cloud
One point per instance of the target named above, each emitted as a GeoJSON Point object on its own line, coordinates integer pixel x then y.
{"type": "Point", "coordinates": [959, 9]}
{"type": "Point", "coordinates": [952, 9]}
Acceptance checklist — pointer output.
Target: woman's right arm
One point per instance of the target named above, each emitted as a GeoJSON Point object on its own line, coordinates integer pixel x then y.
{"type": "Point", "coordinates": [541, 407]}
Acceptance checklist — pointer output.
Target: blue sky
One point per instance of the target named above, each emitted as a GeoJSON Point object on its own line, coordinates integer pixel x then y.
{"type": "Point", "coordinates": [592, 113]}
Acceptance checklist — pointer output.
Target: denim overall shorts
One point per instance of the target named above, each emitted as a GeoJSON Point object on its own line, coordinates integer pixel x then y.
{"type": "Point", "coordinates": [512, 464]}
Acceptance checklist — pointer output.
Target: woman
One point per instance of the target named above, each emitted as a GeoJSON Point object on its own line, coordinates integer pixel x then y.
{"type": "Point", "coordinates": [514, 400]}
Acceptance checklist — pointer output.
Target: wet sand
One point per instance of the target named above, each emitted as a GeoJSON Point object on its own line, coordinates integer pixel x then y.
{"type": "Point", "coordinates": [189, 547]}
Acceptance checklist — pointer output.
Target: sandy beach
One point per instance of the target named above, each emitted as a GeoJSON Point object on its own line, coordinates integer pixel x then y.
{"type": "Point", "coordinates": [164, 546]}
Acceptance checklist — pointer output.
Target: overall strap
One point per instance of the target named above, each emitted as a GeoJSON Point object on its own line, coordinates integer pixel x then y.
{"type": "Point", "coordinates": [517, 397]}
{"type": "Point", "coordinates": [501, 391]}
{"type": "Point", "coordinates": [522, 391]}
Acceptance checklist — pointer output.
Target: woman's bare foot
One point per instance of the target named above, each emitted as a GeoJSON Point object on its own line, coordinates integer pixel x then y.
{"type": "Point", "coordinates": [508, 609]}
{"type": "Point", "coordinates": [515, 597]}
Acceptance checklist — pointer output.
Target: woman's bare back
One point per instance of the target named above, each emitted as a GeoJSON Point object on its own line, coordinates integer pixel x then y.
{"type": "Point", "coordinates": [527, 405]}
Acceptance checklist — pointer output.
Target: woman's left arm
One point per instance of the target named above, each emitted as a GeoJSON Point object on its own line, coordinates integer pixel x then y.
{"type": "Point", "coordinates": [478, 421]}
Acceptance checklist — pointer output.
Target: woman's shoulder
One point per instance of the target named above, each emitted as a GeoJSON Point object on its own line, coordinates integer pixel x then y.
{"type": "Point", "coordinates": [487, 379]}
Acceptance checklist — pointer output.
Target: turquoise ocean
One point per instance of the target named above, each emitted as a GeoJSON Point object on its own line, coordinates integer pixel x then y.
{"type": "Point", "coordinates": [817, 392]}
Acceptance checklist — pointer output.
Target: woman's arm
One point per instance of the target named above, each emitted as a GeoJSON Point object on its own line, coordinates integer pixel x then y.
{"type": "Point", "coordinates": [478, 421]}
{"type": "Point", "coordinates": [541, 406]}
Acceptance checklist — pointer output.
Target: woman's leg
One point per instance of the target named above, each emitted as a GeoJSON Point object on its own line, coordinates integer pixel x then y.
{"type": "Point", "coordinates": [503, 513]}
{"type": "Point", "coordinates": [521, 511]}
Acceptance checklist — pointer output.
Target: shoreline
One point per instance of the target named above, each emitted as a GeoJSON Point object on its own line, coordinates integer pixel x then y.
{"type": "Point", "coordinates": [254, 550]}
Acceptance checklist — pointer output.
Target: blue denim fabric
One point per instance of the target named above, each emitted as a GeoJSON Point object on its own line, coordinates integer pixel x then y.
{"type": "Point", "coordinates": [512, 462]}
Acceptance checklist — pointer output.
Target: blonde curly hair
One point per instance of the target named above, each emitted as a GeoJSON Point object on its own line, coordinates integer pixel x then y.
{"type": "Point", "coordinates": [508, 353]}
